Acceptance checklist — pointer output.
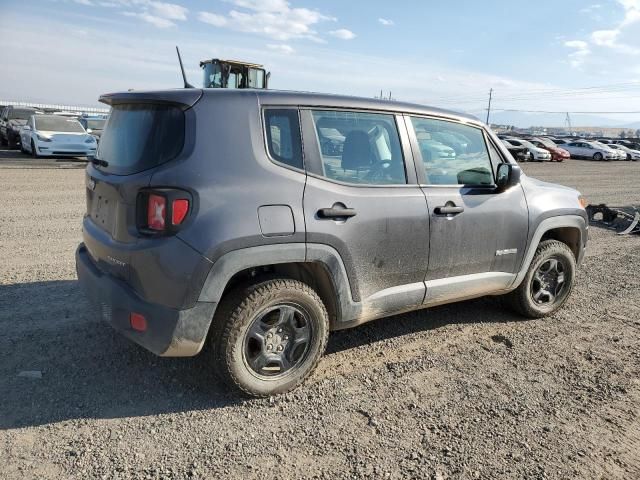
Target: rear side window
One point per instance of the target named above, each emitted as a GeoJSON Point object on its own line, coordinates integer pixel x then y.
{"type": "Point", "coordinates": [141, 136]}
{"type": "Point", "coordinates": [283, 136]}
{"type": "Point", "coordinates": [360, 148]}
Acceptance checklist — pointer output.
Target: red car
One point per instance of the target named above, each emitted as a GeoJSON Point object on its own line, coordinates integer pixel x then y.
{"type": "Point", "coordinates": [557, 154]}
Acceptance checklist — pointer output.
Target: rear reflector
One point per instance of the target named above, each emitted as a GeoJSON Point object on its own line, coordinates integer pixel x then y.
{"type": "Point", "coordinates": [179, 210]}
{"type": "Point", "coordinates": [138, 322]}
{"type": "Point", "coordinates": [156, 210]}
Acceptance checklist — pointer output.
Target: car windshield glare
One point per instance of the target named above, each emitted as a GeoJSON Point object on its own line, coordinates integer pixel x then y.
{"type": "Point", "coordinates": [50, 123]}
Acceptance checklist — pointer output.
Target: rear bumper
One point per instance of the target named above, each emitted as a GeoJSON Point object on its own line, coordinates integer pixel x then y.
{"type": "Point", "coordinates": [170, 332]}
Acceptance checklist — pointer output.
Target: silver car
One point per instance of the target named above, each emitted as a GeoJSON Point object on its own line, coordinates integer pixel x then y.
{"type": "Point", "coordinates": [590, 150]}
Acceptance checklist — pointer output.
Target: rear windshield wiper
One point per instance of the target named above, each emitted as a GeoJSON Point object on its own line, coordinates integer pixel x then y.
{"type": "Point", "coordinates": [100, 163]}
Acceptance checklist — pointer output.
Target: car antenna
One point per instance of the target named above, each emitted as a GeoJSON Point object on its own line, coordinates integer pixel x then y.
{"type": "Point", "coordinates": [184, 76]}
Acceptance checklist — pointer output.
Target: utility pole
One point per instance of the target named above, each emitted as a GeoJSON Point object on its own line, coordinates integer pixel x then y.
{"type": "Point", "coordinates": [489, 107]}
{"type": "Point", "coordinates": [568, 123]}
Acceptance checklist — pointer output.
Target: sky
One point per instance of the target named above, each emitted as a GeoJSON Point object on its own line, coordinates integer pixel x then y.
{"type": "Point", "coordinates": [543, 56]}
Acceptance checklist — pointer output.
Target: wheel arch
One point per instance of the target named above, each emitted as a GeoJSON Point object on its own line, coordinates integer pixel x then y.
{"type": "Point", "coordinates": [319, 266]}
{"type": "Point", "coordinates": [569, 229]}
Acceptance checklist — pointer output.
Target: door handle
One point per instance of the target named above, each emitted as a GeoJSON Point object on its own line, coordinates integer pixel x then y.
{"type": "Point", "coordinates": [448, 210]}
{"type": "Point", "coordinates": [336, 212]}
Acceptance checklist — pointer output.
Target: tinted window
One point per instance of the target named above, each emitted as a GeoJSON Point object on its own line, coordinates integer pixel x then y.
{"type": "Point", "coordinates": [138, 137]}
{"type": "Point", "coordinates": [360, 148]}
{"type": "Point", "coordinates": [50, 123]}
{"type": "Point", "coordinates": [283, 136]}
{"type": "Point", "coordinates": [452, 153]}
{"type": "Point", "coordinates": [20, 114]}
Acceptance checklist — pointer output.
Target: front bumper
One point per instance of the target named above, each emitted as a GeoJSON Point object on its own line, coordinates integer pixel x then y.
{"type": "Point", "coordinates": [170, 332]}
{"type": "Point", "coordinates": [62, 150]}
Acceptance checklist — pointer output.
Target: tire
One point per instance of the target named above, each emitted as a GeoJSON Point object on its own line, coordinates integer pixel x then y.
{"type": "Point", "coordinates": [34, 152]}
{"type": "Point", "coordinates": [530, 299]}
{"type": "Point", "coordinates": [255, 332]}
{"type": "Point", "coordinates": [597, 156]}
{"type": "Point", "coordinates": [11, 142]}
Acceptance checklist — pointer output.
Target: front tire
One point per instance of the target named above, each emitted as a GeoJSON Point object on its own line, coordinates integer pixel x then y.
{"type": "Point", "coordinates": [34, 152]}
{"type": "Point", "coordinates": [548, 282]}
{"type": "Point", "coordinates": [597, 156]}
{"type": "Point", "coordinates": [268, 338]}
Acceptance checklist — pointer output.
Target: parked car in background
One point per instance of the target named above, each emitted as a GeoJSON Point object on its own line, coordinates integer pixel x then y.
{"type": "Point", "coordinates": [557, 154]}
{"type": "Point", "coordinates": [538, 154]}
{"type": "Point", "coordinates": [630, 153]}
{"type": "Point", "coordinates": [590, 150]}
{"type": "Point", "coordinates": [54, 135]}
{"type": "Point", "coordinates": [13, 118]}
{"type": "Point", "coordinates": [619, 154]}
{"type": "Point", "coordinates": [93, 125]}
{"type": "Point", "coordinates": [521, 154]}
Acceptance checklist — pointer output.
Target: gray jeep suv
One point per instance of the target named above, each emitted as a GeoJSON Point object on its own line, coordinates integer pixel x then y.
{"type": "Point", "coordinates": [259, 221]}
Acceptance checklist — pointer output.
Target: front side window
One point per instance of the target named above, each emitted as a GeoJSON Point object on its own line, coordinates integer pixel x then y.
{"type": "Point", "coordinates": [283, 136]}
{"type": "Point", "coordinates": [452, 153]}
{"type": "Point", "coordinates": [359, 148]}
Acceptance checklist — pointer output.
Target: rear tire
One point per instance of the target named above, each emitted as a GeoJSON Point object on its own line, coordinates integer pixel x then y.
{"type": "Point", "coordinates": [268, 338]}
{"type": "Point", "coordinates": [548, 282]}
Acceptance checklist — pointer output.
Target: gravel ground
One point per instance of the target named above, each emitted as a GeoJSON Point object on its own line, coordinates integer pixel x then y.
{"type": "Point", "coordinates": [460, 391]}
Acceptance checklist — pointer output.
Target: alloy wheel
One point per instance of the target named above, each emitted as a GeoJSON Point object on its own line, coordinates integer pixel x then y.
{"type": "Point", "coordinates": [277, 340]}
{"type": "Point", "coordinates": [548, 282]}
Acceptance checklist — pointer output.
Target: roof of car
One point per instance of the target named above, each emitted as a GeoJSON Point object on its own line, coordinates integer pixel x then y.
{"type": "Point", "coordinates": [190, 96]}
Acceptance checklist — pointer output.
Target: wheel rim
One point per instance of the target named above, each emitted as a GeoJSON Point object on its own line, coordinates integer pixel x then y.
{"type": "Point", "coordinates": [277, 341]}
{"type": "Point", "coordinates": [548, 282]}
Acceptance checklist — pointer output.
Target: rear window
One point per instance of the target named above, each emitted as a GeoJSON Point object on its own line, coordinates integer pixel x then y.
{"type": "Point", "coordinates": [141, 136]}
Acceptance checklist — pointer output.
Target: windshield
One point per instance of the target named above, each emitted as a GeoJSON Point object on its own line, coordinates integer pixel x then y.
{"type": "Point", "coordinates": [20, 114]}
{"type": "Point", "coordinates": [95, 124]}
{"type": "Point", "coordinates": [50, 123]}
{"type": "Point", "coordinates": [212, 75]}
{"type": "Point", "coordinates": [141, 136]}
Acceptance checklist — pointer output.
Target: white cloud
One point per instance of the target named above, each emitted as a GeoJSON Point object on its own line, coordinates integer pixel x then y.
{"type": "Point", "coordinates": [170, 11]}
{"type": "Point", "coordinates": [609, 39]}
{"type": "Point", "coordinates": [274, 19]}
{"type": "Point", "coordinates": [343, 34]}
{"type": "Point", "coordinates": [152, 19]}
{"type": "Point", "coordinates": [580, 53]}
{"type": "Point", "coordinates": [280, 47]}
{"type": "Point", "coordinates": [386, 22]}
{"type": "Point", "coordinates": [84, 2]}
{"type": "Point", "coordinates": [212, 19]}
{"type": "Point", "coordinates": [591, 8]}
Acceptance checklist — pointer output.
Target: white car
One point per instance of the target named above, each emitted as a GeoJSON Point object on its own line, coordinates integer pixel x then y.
{"type": "Point", "coordinates": [591, 150]}
{"type": "Point", "coordinates": [630, 154]}
{"type": "Point", "coordinates": [620, 155]}
{"type": "Point", "coordinates": [55, 135]}
{"type": "Point", "coordinates": [538, 154]}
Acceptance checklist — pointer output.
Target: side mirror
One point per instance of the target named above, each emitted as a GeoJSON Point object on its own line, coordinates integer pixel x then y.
{"type": "Point", "coordinates": [508, 176]}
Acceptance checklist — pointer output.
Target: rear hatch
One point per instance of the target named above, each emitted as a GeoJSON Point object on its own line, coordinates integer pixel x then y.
{"type": "Point", "coordinates": [144, 131]}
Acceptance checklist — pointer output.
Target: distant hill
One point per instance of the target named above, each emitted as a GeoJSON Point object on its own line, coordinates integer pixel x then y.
{"type": "Point", "coordinates": [524, 120]}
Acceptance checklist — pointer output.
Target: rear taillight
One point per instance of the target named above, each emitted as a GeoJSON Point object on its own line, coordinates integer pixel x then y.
{"type": "Point", "coordinates": [179, 210]}
{"type": "Point", "coordinates": [156, 212]}
{"type": "Point", "coordinates": [162, 210]}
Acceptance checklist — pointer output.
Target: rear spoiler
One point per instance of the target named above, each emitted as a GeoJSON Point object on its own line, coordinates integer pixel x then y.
{"type": "Point", "coordinates": [183, 97]}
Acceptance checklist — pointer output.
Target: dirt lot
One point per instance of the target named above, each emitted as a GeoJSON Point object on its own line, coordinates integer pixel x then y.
{"type": "Point", "coordinates": [461, 391]}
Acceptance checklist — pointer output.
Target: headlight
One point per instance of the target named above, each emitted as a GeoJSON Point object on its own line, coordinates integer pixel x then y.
{"type": "Point", "coordinates": [90, 140]}
{"type": "Point", "coordinates": [43, 138]}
